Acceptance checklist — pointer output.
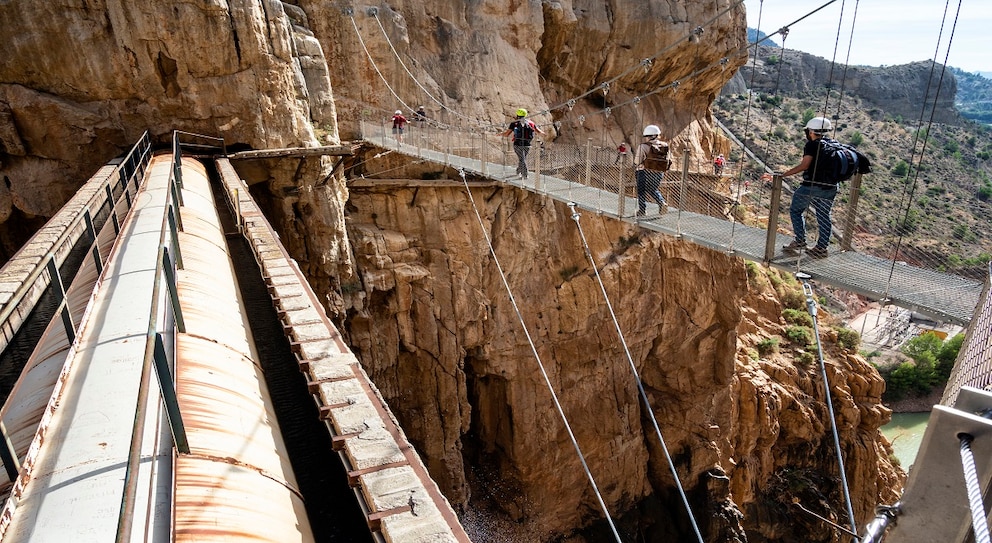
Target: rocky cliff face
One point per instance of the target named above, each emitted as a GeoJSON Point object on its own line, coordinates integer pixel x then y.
{"type": "Point", "coordinates": [472, 62]}
{"type": "Point", "coordinates": [83, 80]}
{"type": "Point", "coordinates": [896, 90]}
{"type": "Point", "coordinates": [432, 322]}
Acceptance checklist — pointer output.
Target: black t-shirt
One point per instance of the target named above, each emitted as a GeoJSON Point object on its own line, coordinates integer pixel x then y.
{"type": "Point", "coordinates": [812, 148]}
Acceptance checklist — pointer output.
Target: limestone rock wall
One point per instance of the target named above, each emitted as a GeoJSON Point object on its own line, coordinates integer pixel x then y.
{"type": "Point", "coordinates": [432, 322]}
{"type": "Point", "coordinates": [475, 63]}
{"type": "Point", "coordinates": [81, 80]}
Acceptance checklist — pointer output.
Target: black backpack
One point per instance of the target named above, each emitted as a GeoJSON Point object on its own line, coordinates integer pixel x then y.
{"type": "Point", "coordinates": [656, 158]}
{"type": "Point", "coordinates": [839, 162]}
{"type": "Point", "coordinates": [523, 132]}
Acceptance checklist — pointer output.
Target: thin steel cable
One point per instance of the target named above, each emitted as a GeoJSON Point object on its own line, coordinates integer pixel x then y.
{"type": "Point", "coordinates": [833, 61]}
{"type": "Point", "coordinates": [979, 522]}
{"type": "Point", "coordinates": [926, 137]}
{"type": "Point", "coordinates": [637, 377]}
{"type": "Point", "coordinates": [407, 70]}
{"type": "Point", "coordinates": [351, 16]}
{"type": "Point", "coordinates": [847, 59]}
{"type": "Point", "coordinates": [544, 374]}
{"type": "Point", "coordinates": [811, 306]}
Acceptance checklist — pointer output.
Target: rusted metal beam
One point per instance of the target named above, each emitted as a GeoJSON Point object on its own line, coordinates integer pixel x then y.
{"type": "Point", "coordinates": [332, 150]}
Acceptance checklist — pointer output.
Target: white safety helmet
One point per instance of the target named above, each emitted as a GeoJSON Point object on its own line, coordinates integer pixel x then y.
{"type": "Point", "coordinates": [652, 130]}
{"type": "Point", "coordinates": [820, 125]}
{"type": "Point", "coordinates": [398, 112]}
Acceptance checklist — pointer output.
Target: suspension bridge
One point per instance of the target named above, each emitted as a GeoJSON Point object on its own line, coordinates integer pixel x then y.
{"type": "Point", "coordinates": [745, 218]}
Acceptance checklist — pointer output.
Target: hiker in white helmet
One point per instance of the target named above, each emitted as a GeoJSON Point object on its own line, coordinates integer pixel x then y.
{"type": "Point", "coordinates": [650, 163]}
{"type": "Point", "coordinates": [813, 191]}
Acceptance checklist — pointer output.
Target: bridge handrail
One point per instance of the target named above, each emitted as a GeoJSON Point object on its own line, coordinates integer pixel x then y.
{"type": "Point", "coordinates": [133, 164]}
{"type": "Point", "coordinates": [165, 271]}
{"type": "Point", "coordinates": [973, 366]}
{"type": "Point", "coordinates": [741, 202]}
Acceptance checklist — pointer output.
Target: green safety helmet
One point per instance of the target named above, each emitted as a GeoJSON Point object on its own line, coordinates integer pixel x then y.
{"type": "Point", "coordinates": [521, 112]}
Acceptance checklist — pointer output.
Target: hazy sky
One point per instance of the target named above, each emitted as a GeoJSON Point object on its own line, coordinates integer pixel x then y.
{"type": "Point", "coordinates": [886, 32]}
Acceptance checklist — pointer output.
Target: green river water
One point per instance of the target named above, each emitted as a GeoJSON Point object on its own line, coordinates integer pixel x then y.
{"type": "Point", "coordinates": [905, 432]}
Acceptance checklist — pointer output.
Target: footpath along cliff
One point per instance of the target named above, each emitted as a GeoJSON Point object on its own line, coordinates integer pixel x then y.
{"type": "Point", "coordinates": [405, 270]}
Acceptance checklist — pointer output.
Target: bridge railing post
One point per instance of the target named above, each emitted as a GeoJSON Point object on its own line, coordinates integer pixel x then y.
{"type": "Point", "coordinates": [588, 179]}
{"type": "Point", "coordinates": [621, 190]}
{"type": "Point", "coordinates": [851, 213]}
{"type": "Point", "coordinates": [446, 143]}
{"type": "Point", "coordinates": [682, 183]}
{"type": "Point", "coordinates": [770, 234]}
{"type": "Point", "coordinates": [537, 168]}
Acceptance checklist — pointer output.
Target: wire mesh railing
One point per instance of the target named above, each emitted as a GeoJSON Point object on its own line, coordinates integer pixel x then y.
{"type": "Point", "coordinates": [728, 211]}
{"type": "Point", "coordinates": [973, 366]}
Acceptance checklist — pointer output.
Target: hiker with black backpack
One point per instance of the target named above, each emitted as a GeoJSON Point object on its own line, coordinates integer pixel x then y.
{"type": "Point", "coordinates": [522, 130]}
{"type": "Point", "coordinates": [651, 161]}
{"type": "Point", "coordinates": [826, 162]}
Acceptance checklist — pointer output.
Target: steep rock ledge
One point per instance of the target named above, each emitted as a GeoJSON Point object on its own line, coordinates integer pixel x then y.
{"type": "Point", "coordinates": [431, 321]}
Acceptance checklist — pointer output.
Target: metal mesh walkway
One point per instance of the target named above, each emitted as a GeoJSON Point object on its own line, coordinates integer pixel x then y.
{"type": "Point", "coordinates": [701, 214]}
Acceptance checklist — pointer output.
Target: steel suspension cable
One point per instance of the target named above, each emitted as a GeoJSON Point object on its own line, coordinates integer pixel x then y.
{"type": "Point", "coordinates": [637, 377]}
{"type": "Point", "coordinates": [351, 16]}
{"type": "Point", "coordinates": [979, 522]}
{"type": "Point", "coordinates": [833, 63]}
{"type": "Point", "coordinates": [811, 307]}
{"type": "Point", "coordinates": [847, 59]}
{"type": "Point", "coordinates": [407, 70]}
{"type": "Point", "coordinates": [540, 365]}
{"type": "Point", "coordinates": [926, 136]}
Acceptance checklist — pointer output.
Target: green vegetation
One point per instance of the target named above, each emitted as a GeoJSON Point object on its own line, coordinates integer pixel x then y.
{"type": "Point", "coordinates": [797, 317]}
{"type": "Point", "coordinates": [930, 364]}
{"type": "Point", "coordinates": [800, 335]}
{"type": "Point", "coordinates": [767, 346]}
{"type": "Point", "coordinates": [856, 139]}
{"type": "Point", "coordinates": [805, 358]}
{"type": "Point", "coordinates": [848, 339]}
{"type": "Point", "coordinates": [985, 192]}
{"type": "Point", "coordinates": [901, 168]}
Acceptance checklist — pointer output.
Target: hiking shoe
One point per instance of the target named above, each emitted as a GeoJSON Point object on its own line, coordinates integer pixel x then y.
{"type": "Point", "coordinates": [795, 246]}
{"type": "Point", "coordinates": [817, 252]}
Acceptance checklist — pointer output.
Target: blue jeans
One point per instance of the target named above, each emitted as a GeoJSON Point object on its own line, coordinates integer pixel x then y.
{"type": "Point", "coordinates": [647, 185]}
{"type": "Point", "coordinates": [521, 151]}
{"type": "Point", "coordinates": [822, 199]}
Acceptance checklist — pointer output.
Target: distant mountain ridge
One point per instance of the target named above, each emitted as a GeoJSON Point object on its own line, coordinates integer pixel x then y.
{"type": "Point", "coordinates": [971, 97]}
{"type": "Point", "coordinates": [897, 90]}
{"type": "Point", "coordinates": [974, 98]}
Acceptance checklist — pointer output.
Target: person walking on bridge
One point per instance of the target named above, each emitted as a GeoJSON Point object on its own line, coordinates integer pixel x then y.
{"type": "Point", "coordinates": [522, 130]}
{"type": "Point", "coordinates": [813, 191]}
{"type": "Point", "coordinates": [399, 121]}
{"type": "Point", "coordinates": [650, 164]}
